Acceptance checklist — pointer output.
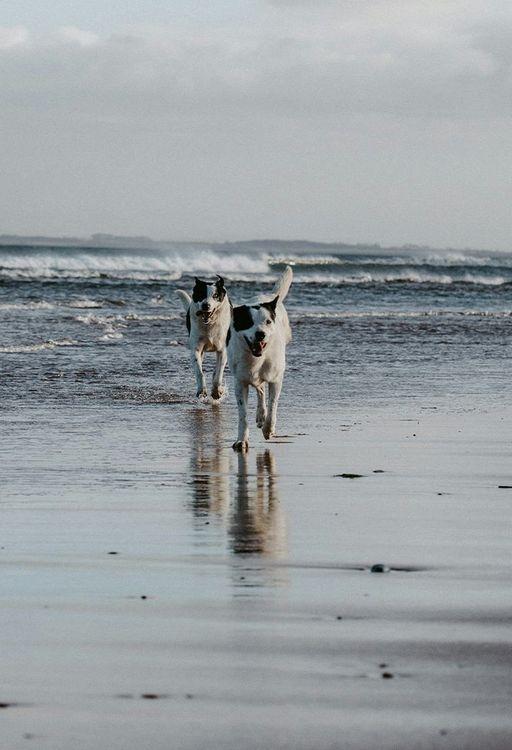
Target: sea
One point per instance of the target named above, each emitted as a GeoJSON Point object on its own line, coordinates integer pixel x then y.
{"type": "Point", "coordinates": [85, 326]}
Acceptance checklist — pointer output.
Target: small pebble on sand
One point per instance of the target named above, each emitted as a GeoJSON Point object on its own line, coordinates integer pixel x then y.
{"type": "Point", "coordinates": [379, 568]}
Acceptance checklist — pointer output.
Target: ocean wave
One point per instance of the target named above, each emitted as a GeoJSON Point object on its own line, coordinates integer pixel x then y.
{"type": "Point", "coordinates": [28, 348]}
{"type": "Point", "coordinates": [408, 276]}
{"type": "Point", "coordinates": [84, 303]}
{"type": "Point", "coordinates": [366, 278]}
{"type": "Point", "coordinates": [27, 305]}
{"type": "Point", "coordinates": [61, 263]}
{"type": "Point", "coordinates": [56, 263]}
{"type": "Point", "coordinates": [349, 314]}
{"type": "Point", "coordinates": [435, 260]}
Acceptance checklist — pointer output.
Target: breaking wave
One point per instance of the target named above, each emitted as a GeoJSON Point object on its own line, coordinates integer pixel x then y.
{"type": "Point", "coordinates": [245, 265]}
{"type": "Point", "coordinates": [350, 314]}
{"type": "Point", "coordinates": [72, 262]}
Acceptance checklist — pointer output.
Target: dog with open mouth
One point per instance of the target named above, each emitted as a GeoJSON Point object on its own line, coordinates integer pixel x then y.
{"type": "Point", "coordinates": [257, 341]}
{"type": "Point", "coordinates": [208, 316]}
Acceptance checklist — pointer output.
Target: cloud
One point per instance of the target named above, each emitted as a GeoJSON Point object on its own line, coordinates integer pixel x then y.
{"type": "Point", "coordinates": [456, 63]}
{"type": "Point", "coordinates": [13, 36]}
{"type": "Point", "coordinates": [74, 35]}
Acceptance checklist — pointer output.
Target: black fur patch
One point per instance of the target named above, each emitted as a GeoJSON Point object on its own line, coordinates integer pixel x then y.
{"type": "Point", "coordinates": [188, 321]}
{"type": "Point", "coordinates": [200, 290]}
{"type": "Point", "coordinates": [219, 287]}
{"type": "Point", "coordinates": [242, 318]}
{"type": "Point", "coordinates": [271, 306]}
{"type": "Point", "coordinates": [228, 336]}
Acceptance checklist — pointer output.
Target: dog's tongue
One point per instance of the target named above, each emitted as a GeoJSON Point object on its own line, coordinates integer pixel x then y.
{"type": "Point", "coordinates": [258, 347]}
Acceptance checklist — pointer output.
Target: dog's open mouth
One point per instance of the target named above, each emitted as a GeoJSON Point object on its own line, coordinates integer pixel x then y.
{"type": "Point", "coordinates": [204, 315]}
{"type": "Point", "coordinates": [256, 347]}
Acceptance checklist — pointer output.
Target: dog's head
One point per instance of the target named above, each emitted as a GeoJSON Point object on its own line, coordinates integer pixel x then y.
{"type": "Point", "coordinates": [207, 297]}
{"type": "Point", "coordinates": [257, 324]}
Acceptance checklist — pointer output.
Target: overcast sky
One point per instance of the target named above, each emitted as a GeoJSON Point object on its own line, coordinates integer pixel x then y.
{"type": "Point", "coordinates": [353, 120]}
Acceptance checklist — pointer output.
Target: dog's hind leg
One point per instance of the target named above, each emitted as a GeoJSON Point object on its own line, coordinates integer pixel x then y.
{"type": "Point", "coordinates": [274, 391]}
{"type": "Point", "coordinates": [242, 392]}
{"type": "Point", "coordinates": [218, 375]}
{"type": "Point", "coordinates": [197, 364]}
{"type": "Point", "coordinates": [261, 411]}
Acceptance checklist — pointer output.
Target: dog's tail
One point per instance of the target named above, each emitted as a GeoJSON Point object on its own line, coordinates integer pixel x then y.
{"type": "Point", "coordinates": [283, 284]}
{"type": "Point", "coordinates": [185, 298]}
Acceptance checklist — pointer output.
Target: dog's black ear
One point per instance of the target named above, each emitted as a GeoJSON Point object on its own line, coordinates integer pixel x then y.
{"type": "Point", "coordinates": [219, 285]}
{"type": "Point", "coordinates": [271, 306]}
{"type": "Point", "coordinates": [242, 318]}
{"type": "Point", "coordinates": [200, 290]}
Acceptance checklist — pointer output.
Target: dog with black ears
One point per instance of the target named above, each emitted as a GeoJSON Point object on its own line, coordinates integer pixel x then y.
{"type": "Point", "coordinates": [257, 341]}
{"type": "Point", "coordinates": [208, 316]}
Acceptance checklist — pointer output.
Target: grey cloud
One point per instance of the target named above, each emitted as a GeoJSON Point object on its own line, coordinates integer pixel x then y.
{"type": "Point", "coordinates": [357, 67]}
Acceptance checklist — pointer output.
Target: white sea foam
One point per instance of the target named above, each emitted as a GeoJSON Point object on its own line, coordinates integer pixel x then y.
{"type": "Point", "coordinates": [342, 314]}
{"type": "Point", "coordinates": [28, 348]}
{"type": "Point", "coordinates": [448, 259]}
{"type": "Point", "coordinates": [408, 275]}
{"type": "Point", "coordinates": [169, 265]}
{"type": "Point", "coordinates": [28, 305]}
{"type": "Point", "coordinates": [84, 303]}
{"type": "Point", "coordinates": [111, 335]}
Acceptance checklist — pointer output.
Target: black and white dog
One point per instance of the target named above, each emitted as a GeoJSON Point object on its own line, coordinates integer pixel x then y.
{"type": "Point", "coordinates": [208, 318]}
{"type": "Point", "coordinates": [257, 341]}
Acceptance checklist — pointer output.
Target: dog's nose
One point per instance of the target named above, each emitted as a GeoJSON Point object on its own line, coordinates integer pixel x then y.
{"type": "Point", "coordinates": [259, 335]}
{"type": "Point", "coordinates": [205, 306]}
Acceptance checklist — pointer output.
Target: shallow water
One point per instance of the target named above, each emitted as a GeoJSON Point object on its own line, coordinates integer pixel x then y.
{"type": "Point", "coordinates": [104, 326]}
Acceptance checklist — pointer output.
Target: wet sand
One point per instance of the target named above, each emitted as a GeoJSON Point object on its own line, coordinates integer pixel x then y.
{"type": "Point", "coordinates": [239, 610]}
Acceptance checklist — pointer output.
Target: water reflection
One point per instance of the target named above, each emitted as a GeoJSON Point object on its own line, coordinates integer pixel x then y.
{"type": "Point", "coordinates": [257, 521]}
{"type": "Point", "coordinates": [241, 493]}
{"type": "Point", "coordinates": [210, 463]}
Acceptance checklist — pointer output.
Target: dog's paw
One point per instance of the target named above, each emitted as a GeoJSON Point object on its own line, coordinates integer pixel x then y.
{"type": "Point", "coordinates": [260, 419]}
{"type": "Point", "coordinates": [241, 446]}
{"type": "Point", "coordinates": [202, 393]}
{"type": "Point", "coordinates": [268, 430]}
{"type": "Point", "coordinates": [217, 392]}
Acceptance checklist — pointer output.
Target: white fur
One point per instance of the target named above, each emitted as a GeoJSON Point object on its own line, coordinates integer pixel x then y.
{"type": "Point", "coordinates": [208, 336]}
{"type": "Point", "coordinates": [268, 368]}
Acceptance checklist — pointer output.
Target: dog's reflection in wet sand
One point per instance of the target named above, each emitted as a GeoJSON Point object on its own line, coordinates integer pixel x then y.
{"type": "Point", "coordinates": [210, 464]}
{"type": "Point", "coordinates": [245, 503]}
{"type": "Point", "coordinates": [257, 522]}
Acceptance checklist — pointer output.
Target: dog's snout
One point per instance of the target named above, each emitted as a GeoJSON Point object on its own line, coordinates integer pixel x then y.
{"type": "Point", "coordinates": [205, 306]}
{"type": "Point", "coordinates": [259, 335]}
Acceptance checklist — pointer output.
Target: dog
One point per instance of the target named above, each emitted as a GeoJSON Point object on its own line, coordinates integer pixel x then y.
{"type": "Point", "coordinates": [208, 316]}
{"type": "Point", "coordinates": [256, 346]}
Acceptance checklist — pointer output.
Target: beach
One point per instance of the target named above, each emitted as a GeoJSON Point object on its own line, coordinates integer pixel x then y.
{"type": "Point", "coordinates": [239, 606]}
{"type": "Point", "coordinates": [344, 585]}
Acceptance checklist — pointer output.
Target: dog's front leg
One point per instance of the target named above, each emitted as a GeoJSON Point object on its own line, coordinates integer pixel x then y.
{"type": "Point", "coordinates": [242, 392]}
{"type": "Point", "coordinates": [218, 375]}
{"type": "Point", "coordinates": [197, 364]}
{"type": "Point", "coordinates": [274, 391]}
{"type": "Point", "coordinates": [261, 411]}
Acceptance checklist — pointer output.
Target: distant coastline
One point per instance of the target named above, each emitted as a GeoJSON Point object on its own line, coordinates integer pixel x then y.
{"type": "Point", "coordinates": [104, 240]}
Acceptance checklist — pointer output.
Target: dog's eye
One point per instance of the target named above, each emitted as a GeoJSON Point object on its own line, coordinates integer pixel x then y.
{"type": "Point", "coordinates": [268, 322]}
